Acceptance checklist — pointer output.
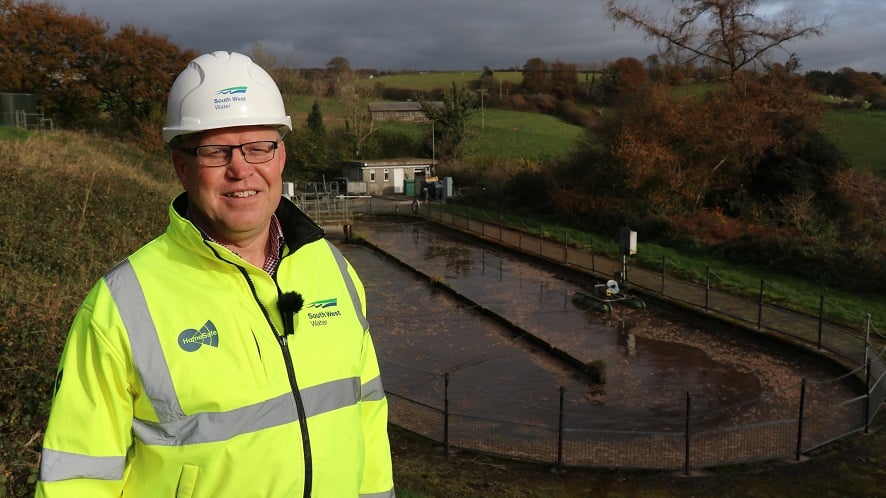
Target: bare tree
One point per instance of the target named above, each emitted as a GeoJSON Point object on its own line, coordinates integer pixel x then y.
{"type": "Point", "coordinates": [723, 32]}
{"type": "Point", "coordinates": [359, 123]}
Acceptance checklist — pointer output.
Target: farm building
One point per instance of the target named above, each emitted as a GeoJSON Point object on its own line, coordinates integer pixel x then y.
{"type": "Point", "coordinates": [399, 111]}
{"type": "Point", "coordinates": [390, 176]}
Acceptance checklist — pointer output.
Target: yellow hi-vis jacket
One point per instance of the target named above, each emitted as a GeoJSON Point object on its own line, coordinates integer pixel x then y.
{"type": "Point", "coordinates": [181, 377]}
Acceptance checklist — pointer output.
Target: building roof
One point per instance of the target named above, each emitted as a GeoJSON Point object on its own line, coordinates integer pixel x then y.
{"type": "Point", "coordinates": [407, 161]}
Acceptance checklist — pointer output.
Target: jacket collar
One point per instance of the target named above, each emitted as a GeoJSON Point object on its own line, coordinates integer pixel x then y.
{"type": "Point", "coordinates": [298, 228]}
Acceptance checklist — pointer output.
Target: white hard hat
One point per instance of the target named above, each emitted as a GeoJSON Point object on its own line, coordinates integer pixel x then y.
{"type": "Point", "coordinates": [220, 90]}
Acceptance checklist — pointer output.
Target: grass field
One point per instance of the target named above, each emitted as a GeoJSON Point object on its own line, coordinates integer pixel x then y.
{"type": "Point", "coordinates": [860, 134]}
{"type": "Point", "coordinates": [432, 80]}
{"type": "Point", "coordinates": [495, 133]}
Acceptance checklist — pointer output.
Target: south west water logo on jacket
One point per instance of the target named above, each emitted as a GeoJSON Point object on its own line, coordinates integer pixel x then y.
{"type": "Point", "coordinates": [320, 318]}
{"type": "Point", "coordinates": [190, 340]}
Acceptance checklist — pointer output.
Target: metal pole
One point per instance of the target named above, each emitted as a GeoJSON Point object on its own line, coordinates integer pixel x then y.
{"type": "Point", "coordinates": [446, 413]}
{"type": "Point", "coordinates": [593, 260]}
{"type": "Point", "coordinates": [566, 247]}
{"type": "Point", "coordinates": [663, 263]}
{"type": "Point", "coordinates": [867, 398]}
{"type": "Point", "coordinates": [560, 431]}
{"type": "Point", "coordinates": [541, 244]}
{"type": "Point", "coordinates": [820, 319]}
{"type": "Point", "coordinates": [867, 339]}
{"type": "Point", "coordinates": [800, 418]}
{"type": "Point", "coordinates": [760, 310]}
{"type": "Point", "coordinates": [687, 435]}
{"type": "Point", "coordinates": [707, 288]}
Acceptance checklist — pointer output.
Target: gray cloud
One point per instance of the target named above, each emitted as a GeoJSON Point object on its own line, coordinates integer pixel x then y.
{"type": "Point", "coordinates": [463, 34]}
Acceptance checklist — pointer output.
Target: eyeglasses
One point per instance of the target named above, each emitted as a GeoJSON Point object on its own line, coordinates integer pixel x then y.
{"type": "Point", "coordinates": [216, 156]}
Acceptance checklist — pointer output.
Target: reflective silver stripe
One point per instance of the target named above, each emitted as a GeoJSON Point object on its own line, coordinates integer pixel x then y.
{"type": "Point", "coordinates": [208, 427]}
{"type": "Point", "coordinates": [352, 288]}
{"type": "Point", "coordinates": [383, 494]}
{"type": "Point", "coordinates": [126, 291]}
{"type": "Point", "coordinates": [330, 396]}
{"type": "Point", "coordinates": [372, 390]}
{"type": "Point", "coordinates": [59, 466]}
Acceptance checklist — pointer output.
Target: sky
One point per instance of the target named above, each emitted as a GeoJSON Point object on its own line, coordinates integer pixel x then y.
{"type": "Point", "coordinates": [448, 35]}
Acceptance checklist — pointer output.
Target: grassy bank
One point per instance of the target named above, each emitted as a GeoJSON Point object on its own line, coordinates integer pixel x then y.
{"type": "Point", "coordinates": [842, 305]}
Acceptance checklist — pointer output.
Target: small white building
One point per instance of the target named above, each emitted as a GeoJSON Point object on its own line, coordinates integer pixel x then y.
{"type": "Point", "coordinates": [390, 176]}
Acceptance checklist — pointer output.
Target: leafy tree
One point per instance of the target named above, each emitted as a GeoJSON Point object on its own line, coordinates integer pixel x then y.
{"type": "Point", "coordinates": [315, 120]}
{"type": "Point", "coordinates": [138, 69]}
{"type": "Point", "coordinates": [725, 32]}
{"type": "Point", "coordinates": [338, 72]}
{"type": "Point", "coordinates": [450, 122]}
{"type": "Point", "coordinates": [624, 77]}
{"type": "Point", "coordinates": [535, 76]}
{"type": "Point", "coordinates": [337, 66]}
{"type": "Point", "coordinates": [308, 145]}
{"type": "Point", "coordinates": [856, 85]}
{"type": "Point", "coordinates": [564, 80]}
{"type": "Point", "coordinates": [54, 55]}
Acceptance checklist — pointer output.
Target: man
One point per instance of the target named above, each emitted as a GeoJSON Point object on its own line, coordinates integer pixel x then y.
{"type": "Point", "coordinates": [230, 356]}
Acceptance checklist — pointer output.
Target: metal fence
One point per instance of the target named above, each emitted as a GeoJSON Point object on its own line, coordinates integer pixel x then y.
{"type": "Point", "coordinates": [693, 442]}
{"type": "Point", "coordinates": [824, 413]}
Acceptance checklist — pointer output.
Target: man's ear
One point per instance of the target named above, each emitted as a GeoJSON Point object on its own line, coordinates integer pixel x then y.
{"type": "Point", "coordinates": [180, 163]}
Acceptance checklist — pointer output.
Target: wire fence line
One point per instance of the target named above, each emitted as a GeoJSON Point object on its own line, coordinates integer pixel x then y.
{"type": "Point", "coordinates": [696, 439]}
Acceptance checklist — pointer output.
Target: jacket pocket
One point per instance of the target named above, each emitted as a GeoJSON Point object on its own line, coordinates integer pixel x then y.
{"type": "Point", "coordinates": [187, 481]}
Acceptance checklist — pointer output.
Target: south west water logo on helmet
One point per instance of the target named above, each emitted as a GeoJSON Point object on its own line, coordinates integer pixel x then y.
{"type": "Point", "coordinates": [232, 95]}
{"type": "Point", "coordinates": [190, 340]}
{"type": "Point", "coordinates": [232, 90]}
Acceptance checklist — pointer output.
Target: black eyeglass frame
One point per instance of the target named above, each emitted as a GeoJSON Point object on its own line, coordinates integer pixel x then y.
{"type": "Point", "coordinates": [194, 151]}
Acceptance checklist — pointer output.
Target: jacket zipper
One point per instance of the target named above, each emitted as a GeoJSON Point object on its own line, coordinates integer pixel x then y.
{"type": "Point", "coordinates": [288, 329]}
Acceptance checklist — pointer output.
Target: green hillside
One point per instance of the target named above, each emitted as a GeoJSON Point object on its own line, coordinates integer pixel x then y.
{"type": "Point", "coordinates": [860, 135]}
{"type": "Point", "coordinates": [424, 81]}
{"type": "Point", "coordinates": [495, 133]}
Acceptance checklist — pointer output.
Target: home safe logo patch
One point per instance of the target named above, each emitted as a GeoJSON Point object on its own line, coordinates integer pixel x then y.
{"type": "Point", "coordinates": [191, 339]}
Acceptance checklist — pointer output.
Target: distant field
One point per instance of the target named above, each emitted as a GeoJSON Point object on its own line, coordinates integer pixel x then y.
{"type": "Point", "coordinates": [861, 135]}
{"type": "Point", "coordinates": [431, 80]}
{"type": "Point", "coordinates": [506, 134]}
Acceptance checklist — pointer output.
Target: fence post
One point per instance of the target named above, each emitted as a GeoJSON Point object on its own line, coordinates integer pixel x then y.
{"type": "Point", "coordinates": [707, 288]}
{"type": "Point", "coordinates": [593, 259]}
{"type": "Point", "coordinates": [867, 398]}
{"type": "Point", "coordinates": [565, 247]}
{"type": "Point", "coordinates": [663, 263]}
{"type": "Point", "coordinates": [760, 310]}
{"type": "Point", "coordinates": [541, 243]}
{"type": "Point", "coordinates": [560, 431]}
{"type": "Point", "coordinates": [687, 435]}
{"type": "Point", "coordinates": [800, 418]}
{"type": "Point", "coordinates": [820, 319]}
{"type": "Point", "coordinates": [520, 236]}
{"type": "Point", "coordinates": [867, 340]}
{"type": "Point", "coordinates": [446, 413]}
